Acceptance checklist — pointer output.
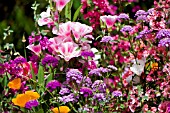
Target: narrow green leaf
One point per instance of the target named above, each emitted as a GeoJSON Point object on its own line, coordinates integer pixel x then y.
{"type": "Point", "coordinates": [76, 14]}
{"type": "Point", "coordinates": [68, 11]}
{"type": "Point", "coordinates": [41, 75]}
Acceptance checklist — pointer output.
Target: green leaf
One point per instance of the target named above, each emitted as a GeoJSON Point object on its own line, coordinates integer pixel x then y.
{"type": "Point", "coordinates": [41, 75]}
{"type": "Point", "coordinates": [40, 111]}
{"type": "Point", "coordinates": [68, 10]}
{"type": "Point", "coordinates": [76, 14]}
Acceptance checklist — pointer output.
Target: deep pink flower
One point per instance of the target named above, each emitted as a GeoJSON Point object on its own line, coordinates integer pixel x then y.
{"type": "Point", "coordinates": [35, 48]}
{"type": "Point", "coordinates": [60, 4]}
{"type": "Point", "coordinates": [109, 20]}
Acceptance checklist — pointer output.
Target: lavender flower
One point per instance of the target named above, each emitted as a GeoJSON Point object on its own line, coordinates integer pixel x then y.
{"type": "Point", "coordinates": [86, 82]}
{"type": "Point", "coordinates": [86, 91]}
{"type": "Point", "coordinates": [140, 13]}
{"type": "Point", "coordinates": [98, 71]}
{"type": "Point", "coordinates": [69, 98]}
{"type": "Point", "coordinates": [116, 93]}
{"type": "Point", "coordinates": [31, 103]}
{"type": "Point", "coordinates": [49, 60]}
{"type": "Point", "coordinates": [64, 91]}
{"type": "Point", "coordinates": [106, 39]}
{"type": "Point", "coordinates": [87, 53]}
{"type": "Point", "coordinates": [163, 33]}
{"type": "Point", "coordinates": [126, 28]}
{"type": "Point", "coordinates": [99, 86]}
{"type": "Point", "coordinates": [123, 16]}
{"type": "Point", "coordinates": [19, 60]}
{"type": "Point", "coordinates": [74, 75]}
{"type": "Point", "coordinates": [52, 85]}
{"type": "Point", "coordinates": [99, 96]}
{"type": "Point", "coordinates": [112, 67]}
{"type": "Point", "coordinates": [164, 42]}
{"type": "Point", "coordinates": [142, 18]}
{"type": "Point", "coordinates": [143, 33]}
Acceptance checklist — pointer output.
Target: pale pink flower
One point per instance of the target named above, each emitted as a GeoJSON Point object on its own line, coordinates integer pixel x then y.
{"type": "Point", "coordinates": [35, 48]}
{"type": "Point", "coordinates": [60, 4]}
{"type": "Point", "coordinates": [109, 20]}
{"type": "Point", "coordinates": [68, 50]}
{"type": "Point", "coordinates": [79, 30]}
{"type": "Point", "coordinates": [64, 29]}
{"type": "Point", "coordinates": [45, 18]}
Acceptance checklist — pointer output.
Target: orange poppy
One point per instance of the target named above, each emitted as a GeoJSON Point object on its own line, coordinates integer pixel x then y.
{"type": "Point", "coordinates": [15, 84]}
{"type": "Point", "coordinates": [62, 109]}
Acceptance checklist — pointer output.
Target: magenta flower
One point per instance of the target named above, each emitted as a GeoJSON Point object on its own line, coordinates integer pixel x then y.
{"type": "Point", "coordinates": [35, 48]}
{"type": "Point", "coordinates": [109, 20]}
{"type": "Point", "coordinates": [60, 4]}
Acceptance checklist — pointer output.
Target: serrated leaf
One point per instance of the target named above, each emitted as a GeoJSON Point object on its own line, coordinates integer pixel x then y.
{"type": "Point", "coordinates": [76, 14]}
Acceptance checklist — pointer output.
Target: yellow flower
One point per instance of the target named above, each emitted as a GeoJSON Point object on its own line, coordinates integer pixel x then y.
{"type": "Point", "coordinates": [63, 109]}
{"type": "Point", "coordinates": [15, 84]}
{"type": "Point", "coordinates": [21, 100]}
{"type": "Point", "coordinates": [33, 95]}
{"type": "Point", "coordinates": [154, 66]}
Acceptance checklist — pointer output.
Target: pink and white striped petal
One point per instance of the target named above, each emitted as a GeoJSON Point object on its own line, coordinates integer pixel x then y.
{"type": "Point", "coordinates": [60, 4]}
{"type": "Point", "coordinates": [35, 48]}
{"type": "Point", "coordinates": [109, 20]}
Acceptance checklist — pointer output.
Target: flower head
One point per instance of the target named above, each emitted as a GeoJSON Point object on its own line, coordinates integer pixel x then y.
{"type": "Point", "coordinates": [52, 85]}
{"type": "Point", "coordinates": [60, 4]}
{"type": "Point", "coordinates": [31, 103]}
{"type": "Point", "coordinates": [74, 74]}
{"type": "Point", "coordinates": [61, 109]}
{"type": "Point", "coordinates": [86, 91]}
{"type": "Point", "coordinates": [109, 20]}
{"type": "Point", "coordinates": [50, 61]}
{"type": "Point", "coordinates": [126, 28]}
{"type": "Point", "coordinates": [15, 84]}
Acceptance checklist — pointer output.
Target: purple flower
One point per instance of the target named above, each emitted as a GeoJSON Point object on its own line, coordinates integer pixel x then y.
{"type": "Point", "coordinates": [86, 91]}
{"type": "Point", "coordinates": [87, 53]}
{"type": "Point", "coordinates": [69, 98]}
{"type": "Point", "coordinates": [44, 43]}
{"type": "Point", "coordinates": [31, 103]}
{"type": "Point", "coordinates": [98, 71]}
{"type": "Point", "coordinates": [64, 91]}
{"type": "Point", "coordinates": [2, 69]}
{"type": "Point", "coordinates": [142, 18]}
{"type": "Point", "coordinates": [116, 93]}
{"type": "Point", "coordinates": [99, 96]}
{"type": "Point", "coordinates": [106, 39]}
{"type": "Point", "coordinates": [143, 33]}
{"type": "Point", "coordinates": [164, 42]}
{"type": "Point", "coordinates": [126, 28]}
{"type": "Point", "coordinates": [19, 60]}
{"type": "Point", "coordinates": [50, 60]}
{"type": "Point", "coordinates": [163, 33]}
{"type": "Point", "coordinates": [99, 86]}
{"type": "Point", "coordinates": [123, 16]}
{"type": "Point", "coordinates": [86, 82]}
{"type": "Point", "coordinates": [34, 58]}
{"type": "Point", "coordinates": [52, 85]}
{"type": "Point", "coordinates": [141, 13]}
{"type": "Point", "coordinates": [74, 75]}
{"type": "Point", "coordinates": [112, 67]}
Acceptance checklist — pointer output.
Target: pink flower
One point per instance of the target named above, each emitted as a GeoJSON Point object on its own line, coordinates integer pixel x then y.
{"type": "Point", "coordinates": [35, 48]}
{"type": "Point", "coordinates": [45, 18]}
{"type": "Point", "coordinates": [109, 20]}
{"type": "Point", "coordinates": [60, 4]}
{"type": "Point", "coordinates": [79, 30]}
{"type": "Point", "coordinates": [68, 50]}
